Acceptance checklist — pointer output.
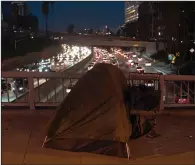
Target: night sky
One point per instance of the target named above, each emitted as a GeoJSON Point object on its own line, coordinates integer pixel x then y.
{"type": "Point", "coordinates": [82, 14]}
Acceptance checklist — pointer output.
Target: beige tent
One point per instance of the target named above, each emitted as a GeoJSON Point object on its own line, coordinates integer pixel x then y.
{"type": "Point", "coordinates": [93, 117]}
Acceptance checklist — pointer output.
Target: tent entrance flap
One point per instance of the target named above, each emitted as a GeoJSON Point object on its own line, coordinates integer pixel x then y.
{"type": "Point", "coordinates": [104, 147]}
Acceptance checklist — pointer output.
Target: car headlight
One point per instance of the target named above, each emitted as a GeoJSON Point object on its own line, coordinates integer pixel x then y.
{"type": "Point", "coordinates": [21, 88]}
{"type": "Point", "coordinates": [68, 90]}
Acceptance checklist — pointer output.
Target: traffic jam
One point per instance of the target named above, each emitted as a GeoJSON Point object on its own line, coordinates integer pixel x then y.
{"type": "Point", "coordinates": [102, 56]}
{"type": "Point", "coordinates": [69, 56]}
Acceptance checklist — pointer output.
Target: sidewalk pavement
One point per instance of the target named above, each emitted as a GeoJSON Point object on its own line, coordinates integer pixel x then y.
{"type": "Point", "coordinates": [23, 132]}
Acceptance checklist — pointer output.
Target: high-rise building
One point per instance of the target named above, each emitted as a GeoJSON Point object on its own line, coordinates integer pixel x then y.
{"type": "Point", "coordinates": [21, 8]}
{"type": "Point", "coordinates": [131, 11]}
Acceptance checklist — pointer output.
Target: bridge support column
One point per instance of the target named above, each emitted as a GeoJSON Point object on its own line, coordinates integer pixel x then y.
{"type": "Point", "coordinates": [92, 51]}
{"type": "Point", "coordinates": [162, 88]}
{"type": "Point", "coordinates": [31, 93]}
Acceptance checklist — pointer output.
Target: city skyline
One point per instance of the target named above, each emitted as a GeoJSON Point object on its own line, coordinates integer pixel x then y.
{"type": "Point", "coordinates": [81, 14]}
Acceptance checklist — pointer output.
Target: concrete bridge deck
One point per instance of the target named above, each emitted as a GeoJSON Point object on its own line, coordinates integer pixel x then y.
{"type": "Point", "coordinates": [23, 132]}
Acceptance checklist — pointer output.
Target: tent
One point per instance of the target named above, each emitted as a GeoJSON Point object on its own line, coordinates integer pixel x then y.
{"type": "Point", "coordinates": [93, 117]}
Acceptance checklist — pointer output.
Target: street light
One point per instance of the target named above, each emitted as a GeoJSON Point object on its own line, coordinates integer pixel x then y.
{"type": "Point", "coordinates": [191, 50]}
{"type": "Point", "coordinates": [159, 33]}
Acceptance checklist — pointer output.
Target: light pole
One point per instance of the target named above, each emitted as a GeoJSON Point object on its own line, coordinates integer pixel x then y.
{"type": "Point", "coordinates": [191, 51]}
{"type": "Point", "coordinates": [15, 43]}
{"type": "Point", "coordinates": [151, 7]}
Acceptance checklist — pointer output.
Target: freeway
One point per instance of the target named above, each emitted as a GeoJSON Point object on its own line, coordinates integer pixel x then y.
{"type": "Point", "coordinates": [68, 58]}
{"type": "Point", "coordinates": [56, 90]}
{"type": "Point", "coordinates": [60, 92]}
{"type": "Point", "coordinates": [124, 66]}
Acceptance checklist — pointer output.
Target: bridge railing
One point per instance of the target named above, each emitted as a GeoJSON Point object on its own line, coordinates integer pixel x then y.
{"type": "Point", "coordinates": [37, 95]}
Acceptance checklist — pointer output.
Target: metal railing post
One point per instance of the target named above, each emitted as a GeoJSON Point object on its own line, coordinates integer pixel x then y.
{"type": "Point", "coordinates": [162, 89]}
{"type": "Point", "coordinates": [31, 94]}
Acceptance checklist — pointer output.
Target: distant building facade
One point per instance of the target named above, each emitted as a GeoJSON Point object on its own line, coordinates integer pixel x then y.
{"type": "Point", "coordinates": [131, 11]}
{"type": "Point", "coordinates": [21, 8]}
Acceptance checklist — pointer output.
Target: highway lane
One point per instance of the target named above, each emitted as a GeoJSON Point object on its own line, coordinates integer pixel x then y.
{"type": "Point", "coordinates": [10, 96]}
{"type": "Point", "coordinates": [47, 90]}
{"type": "Point", "coordinates": [124, 66]}
{"type": "Point", "coordinates": [170, 87]}
{"type": "Point", "coordinates": [58, 94]}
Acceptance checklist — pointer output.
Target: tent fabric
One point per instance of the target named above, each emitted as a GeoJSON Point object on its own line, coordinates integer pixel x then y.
{"type": "Point", "coordinates": [93, 117]}
{"type": "Point", "coordinates": [93, 111]}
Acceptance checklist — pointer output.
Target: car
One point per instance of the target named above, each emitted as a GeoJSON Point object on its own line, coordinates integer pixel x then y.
{"type": "Point", "coordinates": [148, 64]}
{"type": "Point", "coordinates": [114, 63]}
{"type": "Point", "coordinates": [47, 69]}
{"type": "Point", "coordinates": [130, 60]}
{"type": "Point", "coordinates": [69, 88]}
{"type": "Point", "coordinates": [45, 62]}
{"type": "Point", "coordinates": [139, 58]}
{"type": "Point", "coordinates": [149, 83]}
{"type": "Point", "coordinates": [5, 86]}
{"type": "Point", "coordinates": [90, 66]}
{"type": "Point", "coordinates": [93, 62]}
{"type": "Point", "coordinates": [20, 84]}
{"type": "Point", "coordinates": [23, 69]}
{"type": "Point", "coordinates": [34, 68]}
{"type": "Point", "coordinates": [136, 64]}
{"type": "Point", "coordinates": [131, 64]}
{"type": "Point", "coordinates": [182, 99]}
{"type": "Point", "coordinates": [139, 69]}
{"type": "Point", "coordinates": [113, 58]}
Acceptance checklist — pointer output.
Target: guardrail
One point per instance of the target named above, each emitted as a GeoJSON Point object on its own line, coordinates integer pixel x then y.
{"type": "Point", "coordinates": [54, 95]}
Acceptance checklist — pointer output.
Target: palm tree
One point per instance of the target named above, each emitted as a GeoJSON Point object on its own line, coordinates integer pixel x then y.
{"type": "Point", "coordinates": [45, 10]}
{"type": "Point", "coordinates": [70, 28]}
{"type": "Point", "coordinates": [14, 13]}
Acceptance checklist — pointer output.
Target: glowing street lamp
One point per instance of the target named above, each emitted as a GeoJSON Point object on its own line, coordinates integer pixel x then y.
{"type": "Point", "coordinates": [191, 50]}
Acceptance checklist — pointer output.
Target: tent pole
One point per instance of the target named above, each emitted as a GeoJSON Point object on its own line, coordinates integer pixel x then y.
{"type": "Point", "coordinates": [44, 141]}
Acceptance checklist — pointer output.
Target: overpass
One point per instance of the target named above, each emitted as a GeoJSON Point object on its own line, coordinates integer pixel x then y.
{"type": "Point", "coordinates": [93, 40]}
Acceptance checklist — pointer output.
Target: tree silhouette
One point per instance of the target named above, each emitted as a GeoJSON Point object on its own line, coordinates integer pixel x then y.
{"type": "Point", "coordinates": [70, 28]}
{"type": "Point", "coordinates": [118, 32]}
{"type": "Point", "coordinates": [15, 13]}
{"type": "Point", "coordinates": [45, 8]}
